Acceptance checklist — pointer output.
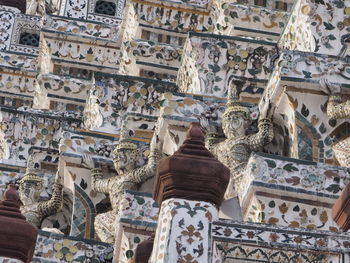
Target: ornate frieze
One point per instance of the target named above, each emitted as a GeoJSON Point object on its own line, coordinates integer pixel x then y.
{"type": "Point", "coordinates": [172, 17]}
{"type": "Point", "coordinates": [231, 252]}
{"type": "Point", "coordinates": [271, 4]}
{"type": "Point", "coordinates": [65, 86]}
{"type": "Point", "coordinates": [58, 248]}
{"type": "Point", "coordinates": [24, 130]}
{"type": "Point", "coordinates": [93, 55]}
{"type": "Point", "coordinates": [19, 61]}
{"type": "Point", "coordinates": [292, 185]}
{"type": "Point", "coordinates": [213, 60]}
{"type": "Point", "coordinates": [310, 177]}
{"type": "Point", "coordinates": [134, 95]}
{"type": "Point", "coordinates": [155, 53]}
{"type": "Point", "coordinates": [76, 28]}
{"type": "Point", "coordinates": [75, 143]}
{"type": "Point", "coordinates": [233, 16]}
{"type": "Point", "coordinates": [311, 67]}
{"type": "Point", "coordinates": [318, 27]}
{"type": "Point", "coordinates": [286, 238]}
{"type": "Point", "coordinates": [191, 108]}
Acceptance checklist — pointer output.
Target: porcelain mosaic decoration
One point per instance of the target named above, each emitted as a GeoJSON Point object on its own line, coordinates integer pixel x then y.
{"type": "Point", "coordinates": [93, 93]}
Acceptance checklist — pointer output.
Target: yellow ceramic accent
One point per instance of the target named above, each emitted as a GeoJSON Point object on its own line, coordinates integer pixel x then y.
{"type": "Point", "coordinates": [57, 246]}
{"type": "Point", "coordinates": [243, 53]}
{"type": "Point", "coordinates": [232, 51]}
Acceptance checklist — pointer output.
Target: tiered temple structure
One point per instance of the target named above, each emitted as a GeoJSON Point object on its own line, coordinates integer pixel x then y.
{"type": "Point", "coordinates": [96, 99]}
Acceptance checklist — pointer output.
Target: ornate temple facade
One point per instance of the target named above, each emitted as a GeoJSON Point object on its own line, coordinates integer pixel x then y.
{"type": "Point", "coordinates": [97, 98]}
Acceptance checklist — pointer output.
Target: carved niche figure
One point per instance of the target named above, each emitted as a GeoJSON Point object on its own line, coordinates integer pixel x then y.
{"type": "Point", "coordinates": [40, 100]}
{"type": "Point", "coordinates": [235, 150]}
{"type": "Point", "coordinates": [4, 148]}
{"type": "Point", "coordinates": [92, 115]}
{"type": "Point", "coordinates": [129, 178]}
{"type": "Point", "coordinates": [337, 109]}
{"type": "Point", "coordinates": [31, 185]}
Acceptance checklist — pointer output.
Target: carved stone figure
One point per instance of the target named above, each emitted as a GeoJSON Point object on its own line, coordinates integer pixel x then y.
{"type": "Point", "coordinates": [337, 109]}
{"type": "Point", "coordinates": [92, 115]}
{"type": "Point", "coordinates": [36, 7]}
{"type": "Point", "coordinates": [40, 100]}
{"type": "Point", "coordinates": [31, 185]}
{"type": "Point", "coordinates": [129, 178]}
{"type": "Point", "coordinates": [4, 148]}
{"type": "Point", "coordinates": [235, 150]}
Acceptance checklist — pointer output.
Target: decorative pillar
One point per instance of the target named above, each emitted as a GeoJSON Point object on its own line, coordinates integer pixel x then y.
{"type": "Point", "coordinates": [19, 4]}
{"type": "Point", "coordinates": [17, 236]}
{"type": "Point", "coordinates": [190, 186]}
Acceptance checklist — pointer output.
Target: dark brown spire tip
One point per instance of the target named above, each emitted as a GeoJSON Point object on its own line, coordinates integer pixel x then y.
{"type": "Point", "coordinates": [11, 194]}
{"type": "Point", "coordinates": [195, 132]}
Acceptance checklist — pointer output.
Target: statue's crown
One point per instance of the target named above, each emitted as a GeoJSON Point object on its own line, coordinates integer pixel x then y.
{"type": "Point", "coordinates": [233, 104]}
{"type": "Point", "coordinates": [125, 141]}
{"type": "Point", "coordinates": [31, 177]}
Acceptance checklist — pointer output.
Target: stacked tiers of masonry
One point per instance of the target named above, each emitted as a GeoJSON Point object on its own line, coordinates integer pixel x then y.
{"type": "Point", "coordinates": [175, 59]}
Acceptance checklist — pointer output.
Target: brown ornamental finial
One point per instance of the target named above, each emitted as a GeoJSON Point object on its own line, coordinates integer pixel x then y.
{"type": "Point", "coordinates": [192, 172]}
{"type": "Point", "coordinates": [195, 132]}
{"type": "Point", "coordinates": [11, 194]}
{"type": "Point", "coordinates": [18, 238]}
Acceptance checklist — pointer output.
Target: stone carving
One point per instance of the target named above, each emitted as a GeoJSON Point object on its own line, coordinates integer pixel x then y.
{"type": "Point", "coordinates": [30, 188]}
{"type": "Point", "coordinates": [129, 178]}
{"type": "Point", "coordinates": [4, 149]}
{"type": "Point", "coordinates": [36, 7]}
{"type": "Point", "coordinates": [40, 100]}
{"type": "Point", "coordinates": [337, 109]}
{"type": "Point", "coordinates": [92, 115]}
{"type": "Point", "coordinates": [235, 150]}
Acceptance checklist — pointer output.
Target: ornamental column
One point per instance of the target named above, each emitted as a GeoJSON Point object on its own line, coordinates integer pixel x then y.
{"type": "Point", "coordinates": [190, 187]}
{"type": "Point", "coordinates": [17, 236]}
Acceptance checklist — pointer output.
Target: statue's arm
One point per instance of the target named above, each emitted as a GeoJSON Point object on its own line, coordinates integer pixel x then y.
{"type": "Point", "coordinates": [97, 183]}
{"type": "Point", "coordinates": [211, 142]}
{"type": "Point", "coordinates": [53, 205]}
{"type": "Point", "coordinates": [337, 109]}
{"type": "Point", "coordinates": [144, 173]}
{"type": "Point", "coordinates": [263, 136]}
{"type": "Point", "coordinates": [211, 134]}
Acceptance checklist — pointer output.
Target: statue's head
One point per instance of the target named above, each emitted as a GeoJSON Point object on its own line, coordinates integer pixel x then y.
{"type": "Point", "coordinates": [236, 117]}
{"type": "Point", "coordinates": [125, 157]}
{"type": "Point", "coordinates": [30, 187]}
{"type": "Point", "coordinates": [125, 153]}
{"type": "Point", "coordinates": [235, 121]}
